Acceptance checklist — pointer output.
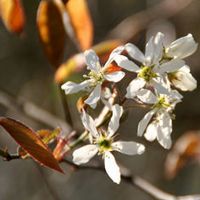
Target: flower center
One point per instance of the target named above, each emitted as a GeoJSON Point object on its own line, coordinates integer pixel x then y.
{"type": "Point", "coordinates": [104, 144]}
{"type": "Point", "coordinates": [98, 78]}
{"type": "Point", "coordinates": [147, 73]}
{"type": "Point", "coordinates": [172, 76]}
{"type": "Point", "coordinates": [162, 103]}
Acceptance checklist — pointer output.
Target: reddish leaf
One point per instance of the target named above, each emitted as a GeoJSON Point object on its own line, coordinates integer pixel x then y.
{"type": "Point", "coordinates": [12, 14]}
{"type": "Point", "coordinates": [81, 21]}
{"type": "Point", "coordinates": [30, 142]}
{"type": "Point", "coordinates": [51, 31]}
{"type": "Point", "coordinates": [185, 150]}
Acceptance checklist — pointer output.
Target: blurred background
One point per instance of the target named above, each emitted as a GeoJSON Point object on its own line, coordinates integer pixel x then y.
{"type": "Point", "coordinates": [27, 76]}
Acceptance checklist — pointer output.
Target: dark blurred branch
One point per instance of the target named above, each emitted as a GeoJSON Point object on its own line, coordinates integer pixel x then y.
{"type": "Point", "coordinates": [140, 21]}
{"type": "Point", "coordinates": [136, 181]}
{"type": "Point", "coordinates": [32, 111]}
{"type": "Point", "coordinates": [65, 104]}
{"type": "Point", "coordinates": [7, 156]}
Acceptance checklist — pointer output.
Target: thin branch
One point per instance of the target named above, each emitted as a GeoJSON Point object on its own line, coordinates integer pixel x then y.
{"type": "Point", "coordinates": [140, 21]}
{"type": "Point", "coordinates": [136, 181]}
{"type": "Point", "coordinates": [33, 111]}
{"type": "Point", "coordinates": [7, 156]}
{"type": "Point", "coordinates": [65, 106]}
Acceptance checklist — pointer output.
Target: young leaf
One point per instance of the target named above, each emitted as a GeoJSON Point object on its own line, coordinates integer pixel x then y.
{"type": "Point", "coordinates": [30, 142]}
{"type": "Point", "coordinates": [81, 21]}
{"type": "Point", "coordinates": [12, 14]}
{"type": "Point", "coordinates": [51, 31]}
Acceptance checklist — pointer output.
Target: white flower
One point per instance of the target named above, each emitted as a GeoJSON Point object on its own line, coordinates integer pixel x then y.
{"type": "Point", "coordinates": [151, 71]}
{"type": "Point", "coordinates": [96, 76]}
{"type": "Point", "coordinates": [180, 77]}
{"type": "Point", "coordinates": [182, 47]}
{"type": "Point", "coordinates": [157, 123]}
{"type": "Point", "coordinates": [183, 79]}
{"type": "Point", "coordinates": [103, 144]}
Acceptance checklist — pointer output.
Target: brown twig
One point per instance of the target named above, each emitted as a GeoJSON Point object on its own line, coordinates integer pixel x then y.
{"type": "Point", "coordinates": [140, 21]}
{"type": "Point", "coordinates": [136, 181]}
{"type": "Point", "coordinates": [32, 111]}
{"type": "Point", "coordinates": [7, 156]}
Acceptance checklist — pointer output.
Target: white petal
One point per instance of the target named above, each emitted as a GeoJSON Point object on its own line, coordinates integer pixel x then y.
{"type": "Point", "coordinates": [125, 63]}
{"type": "Point", "coordinates": [149, 51]}
{"type": "Point", "coordinates": [184, 80]}
{"type": "Point", "coordinates": [183, 47]}
{"type": "Point", "coordinates": [146, 96]}
{"type": "Point", "coordinates": [154, 49]}
{"type": "Point", "coordinates": [129, 148]}
{"type": "Point", "coordinates": [111, 167]}
{"type": "Point", "coordinates": [164, 131]}
{"type": "Point", "coordinates": [114, 53]}
{"type": "Point", "coordinates": [158, 47]}
{"type": "Point", "coordinates": [171, 66]}
{"type": "Point", "coordinates": [134, 86]}
{"type": "Point", "coordinates": [113, 125]}
{"type": "Point", "coordinates": [151, 131]}
{"type": "Point", "coordinates": [134, 52]}
{"type": "Point", "coordinates": [89, 124]}
{"type": "Point", "coordinates": [71, 87]}
{"type": "Point", "coordinates": [114, 76]}
{"type": "Point", "coordinates": [144, 122]}
{"type": "Point", "coordinates": [84, 154]}
{"type": "Point", "coordinates": [92, 60]}
{"type": "Point", "coordinates": [160, 86]}
{"type": "Point", "coordinates": [94, 97]}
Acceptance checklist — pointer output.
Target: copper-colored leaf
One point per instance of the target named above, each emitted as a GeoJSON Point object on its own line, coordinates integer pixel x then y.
{"type": "Point", "coordinates": [81, 21]}
{"type": "Point", "coordinates": [77, 62]}
{"type": "Point", "coordinates": [51, 31]}
{"type": "Point", "coordinates": [30, 142]}
{"type": "Point", "coordinates": [186, 149]}
{"type": "Point", "coordinates": [12, 14]}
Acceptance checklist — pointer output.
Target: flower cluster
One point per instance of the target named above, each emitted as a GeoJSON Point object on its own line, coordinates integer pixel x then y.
{"type": "Point", "coordinates": [159, 73]}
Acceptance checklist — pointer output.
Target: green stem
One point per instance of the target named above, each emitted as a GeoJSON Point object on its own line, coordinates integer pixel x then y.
{"type": "Point", "coordinates": [80, 139]}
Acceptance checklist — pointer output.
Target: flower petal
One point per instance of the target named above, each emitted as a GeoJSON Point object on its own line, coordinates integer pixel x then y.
{"type": "Point", "coordinates": [114, 53]}
{"type": "Point", "coordinates": [113, 125]}
{"type": "Point", "coordinates": [158, 47]}
{"type": "Point", "coordinates": [149, 50]}
{"type": "Point", "coordinates": [184, 80]}
{"type": "Point", "coordinates": [114, 76]}
{"type": "Point", "coordinates": [144, 122]}
{"type": "Point", "coordinates": [164, 131]}
{"type": "Point", "coordinates": [134, 52]}
{"type": "Point", "coordinates": [111, 167]}
{"type": "Point", "coordinates": [146, 96]}
{"type": "Point", "coordinates": [154, 49]}
{"type": "Point", "coordinates": [94, 97]}
{"type": "Point", "coordinates": [89, 124]}
{"type": "Point", "coordinates": [160, 86]}
{"type": "Point", "coordinates": [71, 87]}
{"type": "Point", "coordinates": [183, 47]}
{"type": "Point", "coordinates": [92, 60]}
{"type": "Point", "coordinates": [151, 131]}
{"type": "Point", "coordinates": [84, 154]}
{"type": "Point", "coordinates": [125, 63]}
{"type": "Point", "coordinates": [134, 86]}
{"type": "Point", "coordinates": [129, 148]}
{"type": "Point", "coordinates": [171, 66]}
